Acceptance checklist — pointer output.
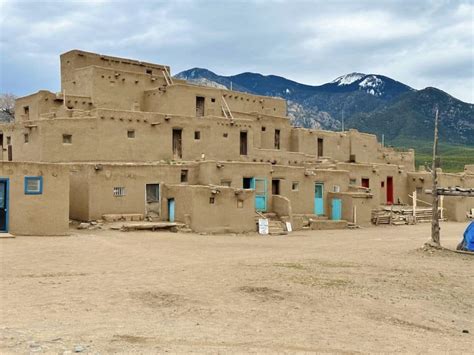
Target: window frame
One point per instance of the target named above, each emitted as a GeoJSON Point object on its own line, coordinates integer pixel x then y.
{"type": "Point", "coordinates": [30, 178]}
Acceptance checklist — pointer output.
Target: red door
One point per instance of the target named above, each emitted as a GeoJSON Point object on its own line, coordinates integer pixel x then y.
{"type": "Point", "coordinates": [389, 190]}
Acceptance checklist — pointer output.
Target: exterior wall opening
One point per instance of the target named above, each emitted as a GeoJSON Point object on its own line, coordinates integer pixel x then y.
{"type": "Point", "coordinates": [277, 139]}
{"type": "Point", "coordinates": [152, 196]}
{"type": "Point", "coordinates": [275, 186]}
{"type": "Point", "coordinates": [320, 147]}
{"type": "Point", "coordinates": [4, 205]}
{"type": "Point", "coordinates": [248, 183]}
{"type": "Point", "coordinates": [177, 143]}
{"type": "Point", "coordinates": [199, 106]}
{"type": "Point", "coordinates": [365, 182]}
{"type": "Point", "coordinates": [184, 175]}
{"type": "Point", "coordinates": [243, 143]}
{"type": "Point", "coordinates": [389, 190]}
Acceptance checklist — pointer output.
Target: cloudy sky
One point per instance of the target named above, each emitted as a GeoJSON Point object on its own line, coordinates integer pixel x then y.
{"type": "Point", "coordinates": [421, 43]}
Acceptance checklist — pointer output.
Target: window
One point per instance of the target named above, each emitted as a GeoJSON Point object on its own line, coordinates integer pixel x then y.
{"type": "Point", "coordinates": [184, 175]}
{"type": "Point", "coordinates": [248, 183]}
{"type": "Point", "coordinates": [264, 128]}
{"type": "Point", "coordinates": [336, 188]}
{"type": "Point", "coordinates": [67, 138]}
{"type": "Point", "coordinates": [240, 204]}
{"type": "Point", "coordinates": [226, 183]}
{"type": "Point", "coordinates": [197, 135]}
{"type": "Point", "coordinates": [119, 191]}
{"type": "Point", "coordinates": [33, 185]}
{"type": "Point", "coordinates": [26, 110]}
{"type": "Point", "coordinates": [365, 182]}
{"type": "Point", "coordinates": [26, 136]}
{"type": "Point", "coordinates": [243, 143]}
{"type": "Point", "coordinates": [295, 185]}
{"type": "Point", "coordinates": [352, 181]}
{"type": "Point", "coordinates": [275, 187]}
{"type": "Point", "coordinates": [9, 140]}
{"type": "Point", "coordinates": [382, 184]}
{"type": "Point", "coordinates": [149, 71]}
{"type": "Point", "coordinates": [225, 135]}
{"type": "Point", "coordinates": [152, 193]}
{"type": "Point", "coordinates": [131, 133]}
{"type": "Point", "coordinates": [213, 100]}
{"type": "Point", "coordinates": [212, 200]}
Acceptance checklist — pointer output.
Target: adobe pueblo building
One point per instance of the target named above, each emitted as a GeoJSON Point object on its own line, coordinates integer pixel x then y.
{"type": "Point", "coordinates": [124, 138]}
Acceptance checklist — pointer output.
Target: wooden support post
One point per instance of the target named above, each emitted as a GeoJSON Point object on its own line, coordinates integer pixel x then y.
{"type": "Point", "coordinates": [434, 174]}
{"type": "Point", "coordinates": [414, 206]}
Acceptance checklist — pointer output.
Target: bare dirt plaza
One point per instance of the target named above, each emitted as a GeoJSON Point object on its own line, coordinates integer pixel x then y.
{"type": "Point", "coordinates": [369, 290]}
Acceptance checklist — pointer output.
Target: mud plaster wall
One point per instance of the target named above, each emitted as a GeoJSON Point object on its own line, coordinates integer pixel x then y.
{"type": "Point", "coordinates": [98, 182]}
{"type": "Point", "coordinates": [228, 212]}
{"type": "Point", "coordinates": [455, 207]}
{"type": "Point", "coordinates": [44, 214]}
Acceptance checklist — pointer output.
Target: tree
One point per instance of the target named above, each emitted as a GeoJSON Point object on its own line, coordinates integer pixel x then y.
{"type": "Point", "coordinates": [7, 103]}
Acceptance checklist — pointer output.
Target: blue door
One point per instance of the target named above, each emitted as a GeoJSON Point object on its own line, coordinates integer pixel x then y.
{"type": "Point", "coordinates": [3, 205]}
{"type": "Point", "coordinates": [336, 209]}
{"type": "Point", "coordinates": [171, 209]}
{"type": "Point", "coordinates": [318, 199]}
{"type": "Point", "coordinates": [261, 195]}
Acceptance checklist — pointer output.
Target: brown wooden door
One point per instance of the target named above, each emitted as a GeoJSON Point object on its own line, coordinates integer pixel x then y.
{"type": "Point", "coordinates": [243, 143]}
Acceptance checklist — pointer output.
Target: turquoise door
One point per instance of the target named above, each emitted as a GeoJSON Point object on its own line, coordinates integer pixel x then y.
{"type": "Point", "coordinates": [336, 209]}
{"type": "Point", "coordinates": [260, 195]}
{"type": "Point", "coordinates": [171, 209]}
{"type": "Point", "coordinates": [318, 199]}
{"type": "Point", "coordinates": [3, 205]}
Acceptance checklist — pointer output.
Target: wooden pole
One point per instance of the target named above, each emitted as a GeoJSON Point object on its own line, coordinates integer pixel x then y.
{"type": "Point", "coordinates": [434, 174]}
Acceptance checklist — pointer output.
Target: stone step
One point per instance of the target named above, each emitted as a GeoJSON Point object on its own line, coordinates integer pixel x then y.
{"type": "Point", "coordinates": [123, 217]}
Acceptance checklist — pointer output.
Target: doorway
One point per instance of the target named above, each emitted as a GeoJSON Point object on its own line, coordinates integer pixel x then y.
{"type": "Point", "coordinates": [243, 143]}
{"type": "Point", "coordinates": [319, 199]}
{"type": "Point", "coordinates": [275, 187]}
{"type": "Point", "coordinates": [389, 190]}
{"type": "Point", "coordinates": [336, 209]}
{"type": "Point", "coordinates": [152, 197]}
{"type": "Point", "coordinates": [277, 139]}
{"type": "Point", "coordinates": [199, 106]}
{"type": "Point", "coordinates": [171, 209]}
{"type": "Point", "coordinates": [320, 147]}
{"type": "Point", "coordinates": [177, 143]}
{"type": "Point", "coordinates": [4, 205]}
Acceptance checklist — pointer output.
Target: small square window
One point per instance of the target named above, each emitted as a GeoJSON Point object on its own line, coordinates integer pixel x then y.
{"type": "Point", "coordinates": [197, 135]}
{"type": "Point", "coordinates": [9, 140]}
{"type": "Point", "coordinates": [149, 71]}
{"type": "Point", "coordinates": [240, 204]}
{"type": "Point", "coordinates": [67, 138]}
{"type": "Point", "coordinates": [264, 128]}
{"type": "Point", "coordinates": [226, 183]}
{"type": "Point", "coordinates": [26, 110]}
{"type": "Point", "coordinates": [295, 185]}
{"type": "Point", "coordinates": [336, 188]}
{"type": "Point", "coordinates": [131, 133]}
{"type": "Point", "coordinates": [225, 135]}
{"type": "Point", "coordinates": [33, 185]}
{"type": "Point", "coordinates": [26, 136]}
{"type": "Point", "coordinates": [352, 181]}
{"type": "Point", "coordinates": [382, 184]}
{"type": "Point", "coordinates": [212, 200]}
{"type": "Point", "coordinates": [184, 175]}
{"type": "Point", "coordinates": [213, 99]}
{"type": "Point", "coordinates": [119, 191]}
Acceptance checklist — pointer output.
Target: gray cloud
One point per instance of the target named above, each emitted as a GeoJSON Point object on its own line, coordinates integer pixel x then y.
{"type": "Point", "coordinates": [421, 43]}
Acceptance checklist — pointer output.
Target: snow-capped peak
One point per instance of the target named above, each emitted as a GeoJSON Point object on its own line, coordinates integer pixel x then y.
{"type": "Point", "coordinates": [348, 79]}
{"type": "Point", "coordinates": [372, 85]}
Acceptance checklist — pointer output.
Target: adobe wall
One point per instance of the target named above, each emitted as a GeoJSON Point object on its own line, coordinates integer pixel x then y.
{"type": "Point", "coordinates": [41, 214]}
{"type": "Point", "coordinates": [97, 182]}
{"type": "Point", "coordinates": [212, 209]}
{"type": "Point", "coordinates": [377, 174]}
{"type": "Point", "coordinates": [456, 207]}
{"type": "Point", "coordinates": [359, 202]}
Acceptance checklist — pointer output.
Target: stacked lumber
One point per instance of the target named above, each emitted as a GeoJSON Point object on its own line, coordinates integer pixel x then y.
{"type": "Point", "coordinates": [398, 215]}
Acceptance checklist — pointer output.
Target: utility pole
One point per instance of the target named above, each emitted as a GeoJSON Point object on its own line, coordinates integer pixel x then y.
{"type": "Point", "coordinates": [434, 192]}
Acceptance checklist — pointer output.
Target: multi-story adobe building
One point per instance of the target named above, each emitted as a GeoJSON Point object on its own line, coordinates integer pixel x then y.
{"type": "Point", "coordinates": [137, 141]}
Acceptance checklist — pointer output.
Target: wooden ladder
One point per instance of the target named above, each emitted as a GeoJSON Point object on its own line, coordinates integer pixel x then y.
{"type": "Point", "coordinates": [167, 76]}
{"type": "Point", "coordinates": [226, 110]}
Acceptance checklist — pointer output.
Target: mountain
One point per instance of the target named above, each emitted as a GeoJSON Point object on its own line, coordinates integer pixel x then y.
{"type": "Point", "coordinates": [369, 102]}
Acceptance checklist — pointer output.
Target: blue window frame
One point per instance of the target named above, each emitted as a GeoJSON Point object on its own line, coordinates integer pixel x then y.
{"type": "Point", "coordinates": [33, 185]}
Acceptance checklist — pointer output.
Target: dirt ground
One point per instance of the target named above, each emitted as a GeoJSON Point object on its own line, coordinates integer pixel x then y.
{"type": "Point", "coordinates": [366, 290]}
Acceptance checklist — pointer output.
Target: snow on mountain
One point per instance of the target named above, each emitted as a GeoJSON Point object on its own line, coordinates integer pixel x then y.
{"type": "Point", "coordinates": [207, 82]}
{"type": "Point", "coordinates": [373, 85]}
{"type": "Point", "coordinates": [348, 79]}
